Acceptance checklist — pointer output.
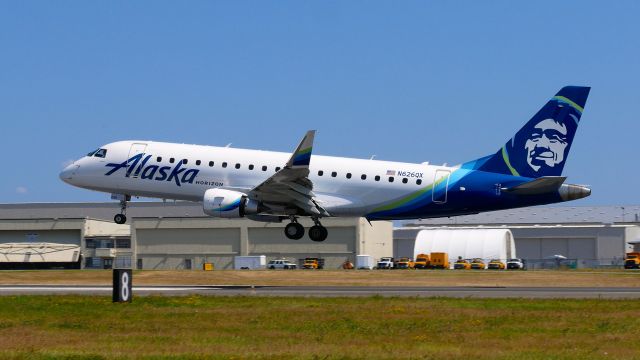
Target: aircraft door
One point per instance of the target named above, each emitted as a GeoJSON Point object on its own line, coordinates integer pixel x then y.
{"type": "Point", "coordinates": [136, 148]}
{"type": "Point", "coordinates": [440, 186]}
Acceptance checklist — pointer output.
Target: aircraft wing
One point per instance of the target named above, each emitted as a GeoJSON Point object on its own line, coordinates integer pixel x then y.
{"type": "Point", "coordinates": [289, 191]}
{"type": "Point", "coordinates": [542, 185]}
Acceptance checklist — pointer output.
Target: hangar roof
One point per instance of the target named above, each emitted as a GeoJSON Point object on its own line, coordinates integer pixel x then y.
{"type": "Point", "coordinates": [544, 215]}
{"type": "Point", "coordinates": [530, 215]}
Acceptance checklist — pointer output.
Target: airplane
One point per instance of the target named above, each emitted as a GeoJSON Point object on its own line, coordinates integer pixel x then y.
{"type": "Point", "coordinates": [275, 186]}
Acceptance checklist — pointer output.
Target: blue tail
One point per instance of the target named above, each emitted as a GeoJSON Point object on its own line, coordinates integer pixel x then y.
{"type": "Point", "coordinates": [541, 147]}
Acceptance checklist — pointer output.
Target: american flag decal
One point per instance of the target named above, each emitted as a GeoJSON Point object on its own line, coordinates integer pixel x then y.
{"type": "Point", "coordinates": [391, 172]}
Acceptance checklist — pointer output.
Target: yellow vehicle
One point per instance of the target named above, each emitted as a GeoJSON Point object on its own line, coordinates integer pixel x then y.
{"type": "Point", "coordinates": [462, 264]}
{"type": "Point", "coordinates": [496, 264]}
{"type": "Point", "coordinates": [422, 262]}
{"type": "Point", "coordinates": [478, 264]}
{"type": "Point", "coordinates": [404, 263]}
{"type": "Point", "coordinates": [632, 260]}
{"type": "Point", "coordinates": [439, 260]}
{"type": "Point", "coordinates": [311, 263]}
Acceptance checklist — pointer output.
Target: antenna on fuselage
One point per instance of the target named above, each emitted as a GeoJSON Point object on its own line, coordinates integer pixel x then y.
{"type": "Point", "coordinates": [228, 145]}
{"type": "Point", "coordinates": [372, 157]}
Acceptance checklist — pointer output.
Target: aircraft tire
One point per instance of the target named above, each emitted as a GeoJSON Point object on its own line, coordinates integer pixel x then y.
{"type": "Point", "coordinates": [294, 231]}
{"type": "Point", "coordinates": [318, 233]}
{"type": "Point", "coordinates": [120, 219]}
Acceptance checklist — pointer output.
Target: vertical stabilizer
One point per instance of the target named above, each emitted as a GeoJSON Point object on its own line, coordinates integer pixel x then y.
{"type": "Point", "coordinates": [541, 147]}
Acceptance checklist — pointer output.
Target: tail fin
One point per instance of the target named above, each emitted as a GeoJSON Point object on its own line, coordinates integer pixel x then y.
{"type": "Point", "coordinates": [541, 147]}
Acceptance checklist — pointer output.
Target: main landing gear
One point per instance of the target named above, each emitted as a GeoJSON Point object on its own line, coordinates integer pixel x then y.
{"type": "Point", "coordinates": [122, 217]}
{"type": "Point", "coordinates": [295, 231]}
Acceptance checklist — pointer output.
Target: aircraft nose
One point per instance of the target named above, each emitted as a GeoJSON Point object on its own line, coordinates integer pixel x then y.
{"type": "Point", "coordinates": [67, 173]}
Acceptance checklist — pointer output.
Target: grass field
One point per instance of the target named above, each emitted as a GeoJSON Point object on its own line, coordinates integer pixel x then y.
{"type": "Point", "coordinates": [85, 327]}
{"type": "Point", "coordinates": [563, 278]}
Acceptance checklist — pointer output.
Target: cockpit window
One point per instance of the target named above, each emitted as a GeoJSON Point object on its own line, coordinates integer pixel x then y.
{"type": "Point", "coordinates": [101, 153]}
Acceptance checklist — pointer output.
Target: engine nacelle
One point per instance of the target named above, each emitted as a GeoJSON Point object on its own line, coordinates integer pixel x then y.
{"type": "Point", "coordinates": [228, 204]}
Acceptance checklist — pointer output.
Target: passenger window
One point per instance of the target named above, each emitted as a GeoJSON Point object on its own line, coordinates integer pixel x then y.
{"type": "Point", "coordinates": [320, 172]}
{"type": "Point", "coordinates": [419, 181]}
{"type": "Point", "coordinates": [348, 175]}
{"type": "Point", "coordinates": [159, 159]}
{"type": "Point", "coordinates": [185, 161]}
{"type": "Point", "coordinates": [390, 178]}
{"type": "Point", "coordinates": [334, 174]}
{"type": "Point", "coordinates": [237, 166]}
{"type": "Point", "coordinates": [224, 164]}
{"type": "Point", "coordinates": [264, 168]}
{"type": "Point", "coordinates": [377, 177]}
{"type": "Point", "coordinates": [251, 167]}
{"type": "Point", "coordinates": [210, 163]}
{"type": "Point", "coordinates": [404, 180]}
{"type": "Point", "coordinates": [198, 162]}
{"type": "Point", "coordinates": [277, 169]}
{"type": "Point", "coordinates": [171, 160]}
{"type": "Point", "coordinates": [363, 177]}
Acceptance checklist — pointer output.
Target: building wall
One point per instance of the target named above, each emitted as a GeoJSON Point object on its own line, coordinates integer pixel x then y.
{"type": "Point", "coordinates": [166, 243]}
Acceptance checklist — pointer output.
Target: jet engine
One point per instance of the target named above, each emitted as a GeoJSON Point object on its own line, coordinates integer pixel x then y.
{"type": "Point", "coordinates": [228, 204]}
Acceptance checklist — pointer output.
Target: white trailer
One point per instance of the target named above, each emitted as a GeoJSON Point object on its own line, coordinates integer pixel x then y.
{"type": "Point", "coordinates": [250, 262]}
{"type": "Point", "coordinates": [364, 262]}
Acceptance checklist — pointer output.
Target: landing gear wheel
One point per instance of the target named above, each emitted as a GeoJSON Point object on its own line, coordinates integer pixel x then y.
{"type": "Point", "coordinates": [294, 231]}
{"type": "Point", "coordinates": [120, 219]}
{"type": "Point", "coordinates": [318, 233]}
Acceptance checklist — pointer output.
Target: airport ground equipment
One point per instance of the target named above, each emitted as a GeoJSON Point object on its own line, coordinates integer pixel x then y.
{"type": "Point", "coordinates": [347, 265]}
{"type": "Point", "coordinates": [24, 256]}
{"type": "Point", "coordinates": [281, 264]}
{"type": "Point", "coordinates": [515, 264]}
{"type": "Point", "coordinates": [208, 266]}
{"type": "Point", "coordinates": [632, 260]}
{"type": "Point", "coordinates": [462, 264]}
{"type": "Point", "coordinates": [364, 262]}
{"type": "Point", "coordinates": [439, 260]}
{"type": "Point", "coordinates": [478, 264]}
{"type": "Point", "coordinates": [255, 262]}
{"type": "Point", "coordinates": [122, 285]}
{"type": "Point", "coordinates": [404, 263]}
{"type": "Point", "coordinates": [385, 263]}
{"type": "Point", "coordinates": [313, 263]}
{"type": "Point", "coordinates": [496, 264]}
{"type": "Point", "coordinates": [422, 261]}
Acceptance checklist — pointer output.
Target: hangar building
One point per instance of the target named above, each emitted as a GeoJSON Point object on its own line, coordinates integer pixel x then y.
{"type": "Point", "coordinates": [178, 235]}
{"type": "Point", "coordinates": [591, 236]}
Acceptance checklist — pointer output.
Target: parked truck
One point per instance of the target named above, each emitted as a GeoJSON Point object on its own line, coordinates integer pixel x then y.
{"type": "Point", "coordinates": [250, 262]}
{"type": "Point", "coordinates": [632, 260]}
{"type": "Point", "coordinates": [404, 263]}
{"type": "Point", "coordinates": [422, 261]}
{"type": "Point", "coordinates": [313, 263]}
{"type": "Point", "coordinates": [439, 260]}
{"type": "Point", "coordinates": [385, 263]}
{"type": "Point", "coordinates": [364, 262]}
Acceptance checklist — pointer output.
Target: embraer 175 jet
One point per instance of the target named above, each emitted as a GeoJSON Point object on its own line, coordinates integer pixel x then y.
{"type": "Point", "coordinates": [273, 186]}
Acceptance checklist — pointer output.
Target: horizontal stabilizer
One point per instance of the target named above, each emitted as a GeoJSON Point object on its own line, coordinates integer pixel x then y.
{"type": "Point", "coordinates": [543, 185]}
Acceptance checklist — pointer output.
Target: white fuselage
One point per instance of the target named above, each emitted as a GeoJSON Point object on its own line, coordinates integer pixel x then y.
{"type": "Point", "coordinates": [344, 186]}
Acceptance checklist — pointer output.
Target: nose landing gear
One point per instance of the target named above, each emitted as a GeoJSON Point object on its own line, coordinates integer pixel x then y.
{"type": "Point", "coordinates": [122, 217]}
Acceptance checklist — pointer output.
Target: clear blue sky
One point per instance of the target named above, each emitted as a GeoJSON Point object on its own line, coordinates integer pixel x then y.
{"type": "Point", "coordinates": [438, 81]}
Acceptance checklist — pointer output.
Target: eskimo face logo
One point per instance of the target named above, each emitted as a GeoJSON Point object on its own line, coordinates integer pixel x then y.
{"type": "Point", "coordinates": [546, 144]}
{"type": "Point", "coordinates": [134, 166]}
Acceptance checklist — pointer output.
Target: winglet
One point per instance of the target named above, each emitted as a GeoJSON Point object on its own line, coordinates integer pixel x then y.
{"type": "Point", "coordinates": [302, 155]}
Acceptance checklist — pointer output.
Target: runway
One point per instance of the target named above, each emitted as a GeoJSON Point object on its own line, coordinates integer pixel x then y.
{"type": "Point", "coordinates": [336, 291]}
